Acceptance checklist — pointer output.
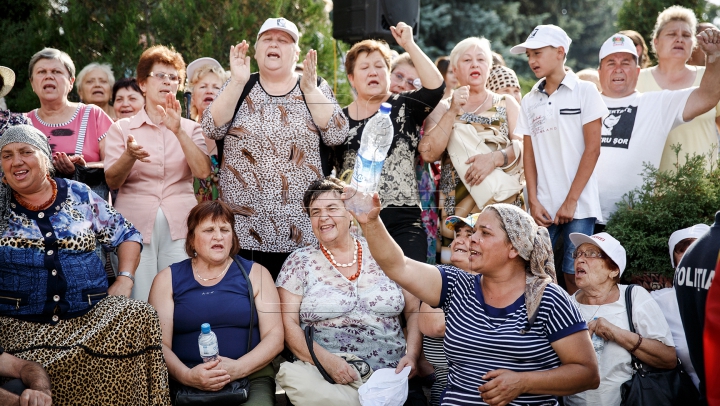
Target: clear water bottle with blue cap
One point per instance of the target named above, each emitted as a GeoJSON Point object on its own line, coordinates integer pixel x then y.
{"type": "Point", "coordinates": [208, 343]}
{"type": "Point", "coordinates": [374, 145]}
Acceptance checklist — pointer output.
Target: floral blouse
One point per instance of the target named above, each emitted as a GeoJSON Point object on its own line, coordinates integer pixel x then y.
{"type": "Point", "coordinates": [398, 185]}
{"type": "Point", "coordinates": [360, 317]}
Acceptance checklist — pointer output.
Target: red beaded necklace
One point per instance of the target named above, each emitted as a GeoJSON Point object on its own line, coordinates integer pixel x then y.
{"type": "Point", "coordinates": [327, 254]}
{"type": "Point", "coordinates": [41, 206]}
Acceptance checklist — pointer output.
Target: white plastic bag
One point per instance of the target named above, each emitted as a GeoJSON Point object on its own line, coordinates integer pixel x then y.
{"type": "Point", "coordinates": [385, 388]}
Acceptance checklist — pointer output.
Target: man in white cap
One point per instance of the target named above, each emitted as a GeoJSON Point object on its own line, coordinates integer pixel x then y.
{"type": "Point", "coordinates": [560, 125]}
{"type": "Point", "coordinates": [637, 125]}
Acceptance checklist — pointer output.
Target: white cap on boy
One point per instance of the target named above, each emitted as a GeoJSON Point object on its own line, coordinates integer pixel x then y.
{"type": "Point", "coordinates": [543, 36]}
{"type": "Point", "coordinates": [279, 23]}
{"type": "Point", "coordinates": [610, 246]}
{"type": "Point", "coordinates": [618, 43]}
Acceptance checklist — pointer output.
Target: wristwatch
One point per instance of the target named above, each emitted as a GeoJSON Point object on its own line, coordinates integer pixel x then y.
{"type": "Point", "coordinates": [128, 275]}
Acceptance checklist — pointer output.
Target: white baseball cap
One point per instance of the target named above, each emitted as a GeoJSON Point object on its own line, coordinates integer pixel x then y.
{"type": "Point", "coordinates": [194, 65]}
{"type": "Point", "coordinates": [279, 23]}
{"type": "Point", "coordinates": [610, 246]}
{"type": "Point", "coordinates": [696, 231]}
{"type": "Point", "coordinates": [543, 36]}
{"type": "Point", "coordinates": [618, 43]}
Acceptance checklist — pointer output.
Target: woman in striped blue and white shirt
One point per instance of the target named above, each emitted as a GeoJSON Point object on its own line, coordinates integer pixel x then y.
{"type": "Point", "coordinates": [512, 335]}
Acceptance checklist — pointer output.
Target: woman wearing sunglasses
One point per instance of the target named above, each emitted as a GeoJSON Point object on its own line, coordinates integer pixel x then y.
{"type": "Point", "coordinates": [599, 263]}
{"type": "Point", "coordinates": [152, 158]}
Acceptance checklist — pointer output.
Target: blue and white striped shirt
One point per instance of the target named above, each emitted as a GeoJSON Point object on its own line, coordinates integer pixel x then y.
{"type": "Point", "coordinates": [480, 338]}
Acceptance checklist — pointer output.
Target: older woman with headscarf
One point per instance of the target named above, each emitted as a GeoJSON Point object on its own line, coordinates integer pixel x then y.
{"type": "Point", "coordinates": [599, 263]}
{"type": "Point", "coordinates": [55, 305]}
{"type": "Point", "coordinates": [512, 335]}
{"type": "Point", "coordinates": [275, 143]}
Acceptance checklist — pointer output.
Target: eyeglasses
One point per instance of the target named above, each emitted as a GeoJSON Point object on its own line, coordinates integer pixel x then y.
{"type": "Point", "coordinates": [587, 254]}
{"type": "Point", "coordinates": [416, 83]}
{"type": "Point", "coordinates": [161, 75]}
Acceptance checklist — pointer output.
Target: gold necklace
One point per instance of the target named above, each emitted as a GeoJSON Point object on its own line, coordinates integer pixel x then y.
{"type": "Point", "coordinates": [197, 275]}
{"type": "Point", "coordinates": [481, 104]}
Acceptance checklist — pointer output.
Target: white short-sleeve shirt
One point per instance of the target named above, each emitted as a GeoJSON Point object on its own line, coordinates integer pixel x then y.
{"type": "Point", "coordinates": [614, 362]}
{"type": "Point", "coordinates": [555, 124]}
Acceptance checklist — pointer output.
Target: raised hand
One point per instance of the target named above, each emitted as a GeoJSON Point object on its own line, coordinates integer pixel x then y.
{"type": "Point", "coordinates": [136, 151]}
{"type": "Point", "coordinates": [240, 63]}
{"type": "Point", "coordinates": [349, 192]}
{"type": "Point", "coordinates": [309, 77]}
{"type": "Point", "coordinates": [171, 113]}
{"type": "Point", "coordinates": [709, 42]}
{"type": "Point", "coordinates": [403, 34]}
{"type": "Point", "coordinates": [459, 99]}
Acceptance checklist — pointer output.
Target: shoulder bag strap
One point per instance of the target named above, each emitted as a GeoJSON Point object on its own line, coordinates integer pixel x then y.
{"type": "Point", "coordinates": [83, 129]}
{"type": "Point", "coordinates": [310, 341]}
{"type": "Point", "coordinates": [628, 306]}
{"type": "Point", "coordinates": [252, 302]}
{"type": "Point", "coordinates": [254, 77]}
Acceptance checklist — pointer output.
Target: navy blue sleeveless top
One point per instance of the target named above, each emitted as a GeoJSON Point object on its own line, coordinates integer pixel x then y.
{"type": "Point", "coordinates": [225, 305]}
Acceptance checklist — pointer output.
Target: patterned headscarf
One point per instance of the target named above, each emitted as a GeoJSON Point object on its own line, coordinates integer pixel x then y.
{"type": "Point", "coordinates": [25, 134]}
{"type": "Point", "coordinates": [501, 77]}
{"type": "Point", "coordinates": [533, 245]}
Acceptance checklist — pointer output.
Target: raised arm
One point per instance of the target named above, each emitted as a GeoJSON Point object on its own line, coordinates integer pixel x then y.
{"type": "Point", "coordinates": [223, 107]}
{"type": "Point", "coordinates": [437, 134]}
{"type": "Point", "coordinates": [707, 95]}
{"type": "Point", "coordinates": [420, 279]}
{"type": "Point", "coordinates": [427, 71]}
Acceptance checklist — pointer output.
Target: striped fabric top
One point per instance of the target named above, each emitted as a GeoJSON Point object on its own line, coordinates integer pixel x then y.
{"type": "Point", "coordinates": [480, 338]}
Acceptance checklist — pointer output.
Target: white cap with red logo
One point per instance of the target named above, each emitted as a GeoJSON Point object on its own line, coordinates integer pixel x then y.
{"type": "Point", "coordinates": [618, 43]}
{"type": "Point", "coordinates": [610, 246]}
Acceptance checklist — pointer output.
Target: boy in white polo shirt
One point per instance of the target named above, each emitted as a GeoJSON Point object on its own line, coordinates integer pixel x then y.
{"type": "Point", "coordinates": [560, 124]}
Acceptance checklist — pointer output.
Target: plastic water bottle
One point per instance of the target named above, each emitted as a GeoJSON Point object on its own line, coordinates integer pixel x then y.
{"type": "Point", "coordinates": [208, 343]}
{"type": "Point", "coordinates": [598, 344]}
{"type": "Point", "coordinates": [374, 145]}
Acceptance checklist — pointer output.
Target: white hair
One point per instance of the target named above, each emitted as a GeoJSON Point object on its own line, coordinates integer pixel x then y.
{"type": "Point", "coordinates": [468, 43]}
{"type": "Point", "coordinates": [105, 67]}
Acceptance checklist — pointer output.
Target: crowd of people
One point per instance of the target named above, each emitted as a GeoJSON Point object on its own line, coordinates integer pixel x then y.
{"type": "Point", "coordinates": [125, 223]}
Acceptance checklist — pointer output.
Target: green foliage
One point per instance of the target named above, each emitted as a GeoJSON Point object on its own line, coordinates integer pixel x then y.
{"type": "Point", "coordinates": [117, 32]}
{"type": "Point", "coordinates": [640, 15]}
{"type": "Point", "coordinates": [666, 202]}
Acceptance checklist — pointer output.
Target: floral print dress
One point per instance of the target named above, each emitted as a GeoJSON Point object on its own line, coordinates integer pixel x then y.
{"type": "Point", "coordinates": [361, 317]}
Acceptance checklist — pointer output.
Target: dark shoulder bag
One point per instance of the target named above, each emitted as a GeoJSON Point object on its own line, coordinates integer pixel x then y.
{"type": "Point", "coordinates": [232, 394]}
{"type": "Point", "coordinates": [653, 386]}
{"type": "Point", "coordinates": [325, 152]}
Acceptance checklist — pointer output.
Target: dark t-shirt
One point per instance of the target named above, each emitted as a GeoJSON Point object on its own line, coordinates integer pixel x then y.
{"type": "Point", "coordinates": [693, 278]}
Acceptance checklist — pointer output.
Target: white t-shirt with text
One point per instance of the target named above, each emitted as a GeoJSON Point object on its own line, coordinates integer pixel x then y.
{"type": "Point", "coordinates": [634, 132]}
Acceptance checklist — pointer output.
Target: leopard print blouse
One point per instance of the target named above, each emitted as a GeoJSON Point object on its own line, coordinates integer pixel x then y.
{"type": "Point", "coordinates": [271, 155]}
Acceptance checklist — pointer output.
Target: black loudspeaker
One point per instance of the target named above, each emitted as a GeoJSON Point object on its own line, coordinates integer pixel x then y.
{"type": "Point", "coordinates": [356, 20]}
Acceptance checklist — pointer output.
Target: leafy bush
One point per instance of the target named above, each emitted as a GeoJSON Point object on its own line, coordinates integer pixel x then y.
{"type": "Point", "coordinates": [666, 202]}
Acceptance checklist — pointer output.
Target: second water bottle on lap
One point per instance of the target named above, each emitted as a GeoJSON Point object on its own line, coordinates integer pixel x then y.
{"type": "Point", "coordinates": [374, 145]}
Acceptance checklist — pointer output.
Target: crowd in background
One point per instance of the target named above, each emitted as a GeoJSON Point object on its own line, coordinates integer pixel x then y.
{"type": "Point", "coordinates": [129, 219]}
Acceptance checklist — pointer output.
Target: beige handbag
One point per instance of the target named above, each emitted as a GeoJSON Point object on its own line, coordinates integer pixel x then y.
{"type": "Point", "coordinates": [502, 183]}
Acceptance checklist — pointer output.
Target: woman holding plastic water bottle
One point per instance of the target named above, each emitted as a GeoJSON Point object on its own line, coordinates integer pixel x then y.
{"type": "Point", "coordinates": [210, 287]}
{"type": "Point", "coordinates": [368, 67]}
{"type": "Point", "coordinates": [599, 263]}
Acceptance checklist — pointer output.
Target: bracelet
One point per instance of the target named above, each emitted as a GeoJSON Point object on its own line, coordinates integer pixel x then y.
{"type": "Point", "coordinates": [505, 158]}
{"type": "Point", "coordinates": [637, 345]}
{"type": "Point", "coordinates": [127, 275]}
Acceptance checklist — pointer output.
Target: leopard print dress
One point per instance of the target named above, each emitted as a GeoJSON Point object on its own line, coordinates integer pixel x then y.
{"type": "Point", "coordinates": [112, 355]}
